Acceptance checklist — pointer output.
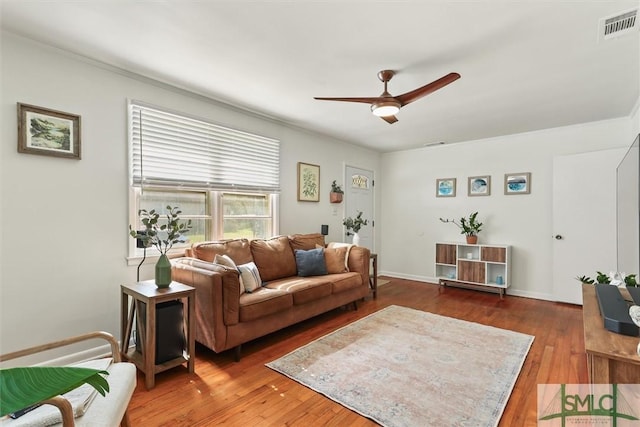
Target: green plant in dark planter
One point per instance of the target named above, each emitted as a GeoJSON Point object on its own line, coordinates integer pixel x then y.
{"type": "Point", "coordinates": [629, 279]}
{"type": "Point", "coordinates": [161, 235]}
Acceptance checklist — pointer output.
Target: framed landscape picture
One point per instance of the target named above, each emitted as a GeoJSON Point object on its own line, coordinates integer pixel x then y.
{"type": "Point", "coordinates": [517, 183]}
{"type": "Point", "coordinates": [479, 185]}
{"type": "Point", "coordinates": [308, 182]}
{"type": "Point", "coordinates": [446, 187]}
{"type": "Point", "coordinates": [48, 132]}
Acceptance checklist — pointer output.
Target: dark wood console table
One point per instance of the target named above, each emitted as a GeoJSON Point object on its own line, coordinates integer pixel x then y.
{"type": "Point", "coordinates": [611, 358]}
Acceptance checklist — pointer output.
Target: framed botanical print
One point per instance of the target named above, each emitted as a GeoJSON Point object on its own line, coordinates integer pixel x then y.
{"type": "Point", "coordinates": [308, 182]}
{"type": "Point", "coordinates": [48, 132]}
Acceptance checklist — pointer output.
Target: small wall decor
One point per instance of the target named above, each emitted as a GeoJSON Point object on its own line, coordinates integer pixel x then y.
{"type": "Point", "coordinates": [336, 193]}
{"type": "Point", "coordinates": [308, 182]}
{"type": "Point", "coordinates": [479, 185]}
{"type": "Point", "coordinates": [48, 132]}
{"type": "Point", "coordinates": [517, 183]}
{"type": "Point", "coordinates": [446, 187]}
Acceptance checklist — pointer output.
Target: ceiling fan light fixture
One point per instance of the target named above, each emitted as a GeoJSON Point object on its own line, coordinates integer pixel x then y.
{"type": "Point", "coordinates": [385, 109]}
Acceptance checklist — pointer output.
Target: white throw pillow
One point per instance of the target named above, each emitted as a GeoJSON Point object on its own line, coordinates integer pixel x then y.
{"type": "Point", "coordinates": [226, 261]}
{"type": "Point", "coordinates": [250, 276]}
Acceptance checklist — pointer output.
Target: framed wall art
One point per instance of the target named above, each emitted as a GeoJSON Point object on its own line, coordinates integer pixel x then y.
{"type": "Point", "coordinates": [446, 187]}
{"type": "Point", "coordinates": [48, 132]}
{"type": "Point", "coordinates": [308, 182]}
{"type": "Point", "coordinates": [517, 183]}
{"type": "Point", "coordinates": [479, 185]}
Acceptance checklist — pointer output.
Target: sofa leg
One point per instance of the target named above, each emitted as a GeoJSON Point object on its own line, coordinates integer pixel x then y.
{"type": "Point", "coordinates": [237, 352]}
{"type": "Point", "coordinates": [355, 305]}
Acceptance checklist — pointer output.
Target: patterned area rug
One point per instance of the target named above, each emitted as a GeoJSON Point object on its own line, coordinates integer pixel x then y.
{"type": "Point", "coordinates": [404, 367]}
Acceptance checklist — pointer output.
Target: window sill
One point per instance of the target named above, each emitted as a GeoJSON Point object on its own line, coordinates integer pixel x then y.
{"type": "Point", "coordinates": [152, 257]}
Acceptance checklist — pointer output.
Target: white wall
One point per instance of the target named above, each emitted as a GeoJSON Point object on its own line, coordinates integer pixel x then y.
{"type": "Point", "coordinates": [410, 212]}
{"type": "Point", "coordinates": [64, 223]}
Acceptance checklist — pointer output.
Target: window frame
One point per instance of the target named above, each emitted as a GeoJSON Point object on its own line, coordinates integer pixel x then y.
{"type": "Point", "coordinates": [214, 214]}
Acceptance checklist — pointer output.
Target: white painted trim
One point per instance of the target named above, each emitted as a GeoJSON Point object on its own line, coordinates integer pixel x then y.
{"type": "Point", "coordinates": [434, 281]}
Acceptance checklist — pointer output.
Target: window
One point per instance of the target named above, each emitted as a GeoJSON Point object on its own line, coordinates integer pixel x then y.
{"type": "Point", "coordinates": [246, 215]}
{"type": "Point", "coordinates": [225, 181]}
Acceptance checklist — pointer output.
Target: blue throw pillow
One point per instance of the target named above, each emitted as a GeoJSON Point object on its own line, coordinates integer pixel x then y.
{"type": "Point", "coordinates": [311, 262]}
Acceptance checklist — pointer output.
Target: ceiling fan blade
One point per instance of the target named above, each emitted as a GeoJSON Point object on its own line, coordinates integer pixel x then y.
{"type": "Point", "coordinates": [389, 119]}
{"type": "Point", "coordinates": [363, 100]}
{"type": "Point", "coordinates": [409, 97]}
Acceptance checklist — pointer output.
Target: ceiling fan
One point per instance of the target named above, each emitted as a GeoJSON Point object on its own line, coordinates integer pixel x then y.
{"type": "Point", "coordinates": [386, 105]}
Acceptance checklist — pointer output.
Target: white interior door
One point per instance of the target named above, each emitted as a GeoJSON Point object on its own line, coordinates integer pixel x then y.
{"type": "Point", "coordinates": [584, 219]}
{"type": "Point", "coordinates": [358, 196]}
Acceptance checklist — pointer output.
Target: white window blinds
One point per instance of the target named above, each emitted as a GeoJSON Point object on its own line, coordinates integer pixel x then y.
{"type": "Point", "coordinates": [169, 149]}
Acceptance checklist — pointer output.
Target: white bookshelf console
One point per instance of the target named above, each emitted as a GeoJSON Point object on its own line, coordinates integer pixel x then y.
{"type": "Point", "coordinates": [486, 266]}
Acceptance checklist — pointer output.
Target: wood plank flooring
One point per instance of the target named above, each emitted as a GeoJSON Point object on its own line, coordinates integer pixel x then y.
{"type": "Point", "coordinates": [246, 393]}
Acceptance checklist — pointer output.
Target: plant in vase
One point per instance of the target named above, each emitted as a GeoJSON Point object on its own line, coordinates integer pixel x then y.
{"type": "Point", "coordinates": [335, 196]}
{"type": "Point", "coordinates": [470, 227]}
{"type": "Point", "coordinates": [613, 278]}
{"type": "Point", "coordinates": [163, 236]}
{"type": "Point", "coordinates": [355, 224]}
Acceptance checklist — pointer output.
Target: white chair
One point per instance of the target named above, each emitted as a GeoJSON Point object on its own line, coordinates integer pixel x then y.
{"type": "Point", "coordinates": [107, 411]}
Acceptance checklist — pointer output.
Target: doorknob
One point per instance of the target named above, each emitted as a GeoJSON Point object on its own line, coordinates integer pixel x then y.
{"type": "Point", "coordinates": [557, 237]}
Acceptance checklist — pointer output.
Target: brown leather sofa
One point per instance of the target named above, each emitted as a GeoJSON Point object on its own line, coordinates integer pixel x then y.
{"type": "Point", "coordinates": [226, 317]}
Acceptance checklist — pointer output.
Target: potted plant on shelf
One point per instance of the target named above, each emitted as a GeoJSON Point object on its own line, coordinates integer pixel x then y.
{"type": "Point", "coordinates": [162, 236]}
{"type": "Point", "coordinates": [613, 278]}
{"type": "Point", "coordinates": [470, 227]}
{"type": "Point", "coordinates": [355, 224]}
{"type": "Point", "coordinates": [335, 196]}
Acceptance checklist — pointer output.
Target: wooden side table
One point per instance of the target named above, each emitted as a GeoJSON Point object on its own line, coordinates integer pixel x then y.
{"type": "Point", "coordinates": [148, 293]}
{"type": "Point", "coordinates": [373, 278]}
{"type": "Point", "coordinates": [611, 358]}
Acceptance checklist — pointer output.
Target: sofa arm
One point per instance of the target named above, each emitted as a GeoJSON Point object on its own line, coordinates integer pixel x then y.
{"type": "Point", "coordinates": [217, 298]}
{"type": "Point", "coordinates": [359, 260]}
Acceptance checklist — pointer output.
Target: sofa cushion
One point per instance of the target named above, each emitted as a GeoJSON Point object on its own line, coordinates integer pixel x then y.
{"type": "Point", "coordinates": [305, 289]}
{"type": "Point", "coordinates": [263, 302]}
{"type": "Point", "coordinates": [237, 249]}
{"type": "Point", "coordinates": [335, 260]}
{"type": "Point", "coordinates": [306, 241]}
{"type": "Point", "coordinates": [249, 277]}
{"type": "Point", "coordinates": [311, 262]}
{"type": "Point", "coordinates": [345, 281]}
{"type": "Point", "coordinates": [274, 258]}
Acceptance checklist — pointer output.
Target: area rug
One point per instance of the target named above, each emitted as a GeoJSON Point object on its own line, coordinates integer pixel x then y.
{"type": "Point", "coordinates": [404, 367]}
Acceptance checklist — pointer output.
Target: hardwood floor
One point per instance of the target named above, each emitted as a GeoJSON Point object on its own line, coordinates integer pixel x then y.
{"type": "Point", "coordinates": [246, 393]}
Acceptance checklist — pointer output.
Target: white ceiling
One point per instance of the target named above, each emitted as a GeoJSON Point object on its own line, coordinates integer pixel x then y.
{"type": "Point", "coordinates": [525, 65]}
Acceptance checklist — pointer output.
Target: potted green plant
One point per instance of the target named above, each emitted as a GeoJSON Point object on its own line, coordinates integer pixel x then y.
{"type": "Point", "coordinates": [613, 278]}
{"type": "Point", "coordinates": [163, 236]}
{"type": "Point", "coordinates": [470, 227]}
{"type": "Point", "coordinates": [335, 196]}
{"type": "Point", "coordinates": [354, 225]}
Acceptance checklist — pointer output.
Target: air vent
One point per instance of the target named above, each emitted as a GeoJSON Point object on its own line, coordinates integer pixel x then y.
{"type": "Point", "coordinates": [618, 25]}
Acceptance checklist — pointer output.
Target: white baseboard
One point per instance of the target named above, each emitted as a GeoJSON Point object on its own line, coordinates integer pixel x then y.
{"type": "Point", "coordinates": [434, 281]}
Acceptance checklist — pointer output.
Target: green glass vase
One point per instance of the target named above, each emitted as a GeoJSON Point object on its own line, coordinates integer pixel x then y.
{"type": "Point", "coordinates": [163, 272]}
